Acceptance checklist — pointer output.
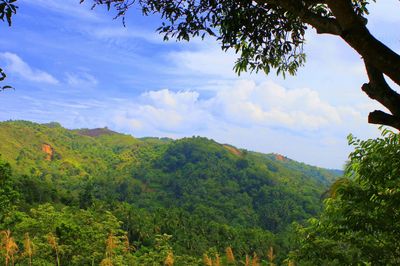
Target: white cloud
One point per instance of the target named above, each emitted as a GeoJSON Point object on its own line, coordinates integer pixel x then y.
{"type": "Point", "coordinates": [163, 111]}
{"type": "Point", "coordinates": [208, 59]}
{"type": "Point", "coordinates": [127, 32]}
{"type": "Point", "coordinates": [71, 8]}
{"type": "Point", "coordinates": [269, 104]}
{"type": "Point", "coordinates": [167, 99]}
{"type": "Point", "coordinates": [15, 64]}
{"type": "Point", "coordinates": [81, 80]}
{"type": "Point", "coordinates": [244, 105]}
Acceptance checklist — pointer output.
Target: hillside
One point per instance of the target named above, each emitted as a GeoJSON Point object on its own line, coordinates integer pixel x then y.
{"type": "Point", "coordinates": [186, 188]}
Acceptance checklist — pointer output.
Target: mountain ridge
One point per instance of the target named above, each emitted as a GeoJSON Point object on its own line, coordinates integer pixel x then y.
{"type": "Point", "coordinates": [203, 193]}
{"type": "Point", "coordinates": [98, 132]}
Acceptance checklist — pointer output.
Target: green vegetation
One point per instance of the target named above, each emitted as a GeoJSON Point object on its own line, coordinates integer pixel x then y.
{"type": "Point", "coordinates": [360, 221]}
{"type": "Point", "coordinates": [97, 197]}
{"type": "Point", "coordinates": [85, 197]}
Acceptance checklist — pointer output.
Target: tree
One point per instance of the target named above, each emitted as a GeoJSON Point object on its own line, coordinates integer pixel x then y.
{"type": "Point", "coordinates": [271, 33]}
{"type": "Point", "coordinates": [7, 10]}
{"type": "Point", "coordinates": [360, 219]}
{"type": "Point", "coordinates": [8, 196]}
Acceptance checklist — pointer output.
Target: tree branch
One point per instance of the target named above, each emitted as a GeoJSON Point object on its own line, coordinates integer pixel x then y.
{"type": "Point", "coordinates": [297, 8]}
{"type": "Point", "coordinates": [322, 25]}
{"type": "Point", "coordinates": [382, 118]}
{"type": "Point", "coordinates": [379, 90]}
{"type": "Point", "coordinates": [345, 15]}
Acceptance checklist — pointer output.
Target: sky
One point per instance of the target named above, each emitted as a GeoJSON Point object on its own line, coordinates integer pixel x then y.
{"type": "Point", "coordinates": [81, 68]}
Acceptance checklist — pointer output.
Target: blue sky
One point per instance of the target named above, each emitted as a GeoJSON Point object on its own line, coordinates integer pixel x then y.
{"type": "Point", "coordinates": [81, 68]}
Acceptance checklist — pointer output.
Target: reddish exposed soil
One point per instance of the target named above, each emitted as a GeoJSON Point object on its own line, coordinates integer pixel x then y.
{"type": "Point", "coordinates": [46, 148]}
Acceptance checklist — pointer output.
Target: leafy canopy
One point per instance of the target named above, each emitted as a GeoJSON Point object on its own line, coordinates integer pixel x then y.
{"type": "Point", "coordinates": [7, 10]}
{"type": "Point", "coordinates": [360, 220]}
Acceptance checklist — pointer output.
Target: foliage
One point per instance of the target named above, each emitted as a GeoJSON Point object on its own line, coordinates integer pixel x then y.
{"type": "Point", "coordinates": [8, 196]}
{"type": "Point", "coordinates": [175, 202]}
{"type": "Point", "coordinates": [3, 77]}
{"type": "Point", "coordinates": [360, 220]}
{"type": "Point", "coordinates": [68, 236]}
{"type": "Point", "coordinates": [8, 247]}
{"type": "Point", "coordinates": [8, 8]}
{"type": "Point", "coordinates": [201, 193]}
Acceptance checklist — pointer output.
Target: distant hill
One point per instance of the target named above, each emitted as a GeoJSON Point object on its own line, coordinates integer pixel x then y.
{"type": "Point", "coordinates": [96, 132]}
{"type": "Point", "coordinates": [326, 176]}
{"type": "Point", "coordinates": [203, 193]}
{"type": "Point", "coordinates": [201, 176]}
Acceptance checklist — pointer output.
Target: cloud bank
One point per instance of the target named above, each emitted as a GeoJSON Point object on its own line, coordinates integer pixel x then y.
{"type": "Point", "coordinates": [15, 65]}
{"type": "Point", "coordinates": [244, 105]}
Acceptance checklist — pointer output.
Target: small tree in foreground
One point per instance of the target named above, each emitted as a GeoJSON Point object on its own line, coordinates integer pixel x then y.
{"type": "Point", "coordinates": [360, 222]}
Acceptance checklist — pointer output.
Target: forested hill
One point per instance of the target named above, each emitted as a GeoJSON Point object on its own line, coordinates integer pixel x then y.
{"type": "Point", "coordinates": [186, 188]}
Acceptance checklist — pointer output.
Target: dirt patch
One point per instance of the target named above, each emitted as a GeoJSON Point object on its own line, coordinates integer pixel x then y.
{"type": "Point", "coordinates": [46, 148]}
{"type": "Point", "coordinates": [233, 150]}
{"type": "Point", "coordinates": [280, 157]}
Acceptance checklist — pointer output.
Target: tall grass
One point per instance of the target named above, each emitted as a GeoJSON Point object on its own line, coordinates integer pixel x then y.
{"type": "Point", "coordinates": [271, 256]}
{"type": "Point", "coordinates": [9, 249]}
{"type": "Point", "coordinates": [28, 248]}
{"type": "Point", "coordinates": [52, 239]}
{"type": "Point", "coordinates": [230, 258]}
{"type": "Point", "coordinates": [169, 260]}
{"type": "Point", "coordinates": [8, 246]}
